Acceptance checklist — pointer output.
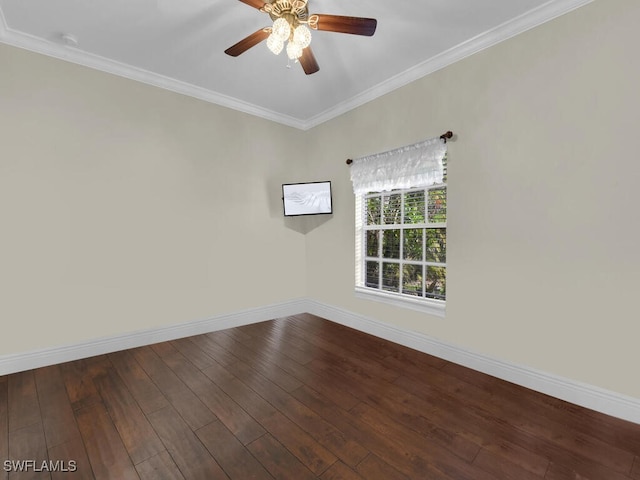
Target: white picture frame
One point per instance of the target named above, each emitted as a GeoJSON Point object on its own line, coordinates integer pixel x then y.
{"type": "Point", "coordinates": [309, 198]}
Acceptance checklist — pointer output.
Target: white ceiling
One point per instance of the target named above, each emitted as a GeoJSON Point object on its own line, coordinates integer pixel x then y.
{"type": "Point", "coordinates": [179, 45]}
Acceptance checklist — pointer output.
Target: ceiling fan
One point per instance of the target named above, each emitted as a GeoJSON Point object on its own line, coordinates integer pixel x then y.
{"type": "Point", "coordinates": [291, 23]}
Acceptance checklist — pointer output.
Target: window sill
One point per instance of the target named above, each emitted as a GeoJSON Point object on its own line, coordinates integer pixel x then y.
{"type": "Point", "coordinates": [432, 307]}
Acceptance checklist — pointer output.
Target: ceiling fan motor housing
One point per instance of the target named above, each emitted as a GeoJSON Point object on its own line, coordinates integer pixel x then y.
{"type": "Point", "coordinates": [291, 10]}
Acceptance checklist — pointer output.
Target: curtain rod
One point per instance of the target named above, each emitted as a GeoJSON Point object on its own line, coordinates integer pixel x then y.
{"type": "Point", "coordinates": [448, 134]}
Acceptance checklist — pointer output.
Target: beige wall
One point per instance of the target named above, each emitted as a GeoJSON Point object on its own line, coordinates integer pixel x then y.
{"type": "Point", "coordinates": [544, 229]}
{"type": "Point", "coordinates": [120, 210]}
{"type": "Point", "coordinates": [125, 207]}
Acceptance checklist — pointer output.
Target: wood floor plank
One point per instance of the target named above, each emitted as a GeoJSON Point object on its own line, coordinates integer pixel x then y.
{"type": "Point", "coordinates": [339, 394]}
{"type": "Point", "coordinates": [182, 367]}
{"type": "Point", "coordinates": [278, 460]}
{"type": "Point", "coordinates": [635, 470]}
{"type": "Point", "coordinates": [374, 468]}
{"type": "Point", "coordinates": [524, 458]}
{"type": "Point", "coordinates": [159, 467]}
{"type": "Point", "coordinates": [146, 393]}
{"type": "Point", "coordinates": [25, 433]}
{"type": "Point", "coordinates": [188, 452]}
{"type": "Point", "coordinates": [419, 447]}
{"type": "Point", "coordinates": [341, 338]}
{"type": "Point", "coordinates": [137, 434]}
{"type": "Point", "coordinates": [71, 451]}
{"type": "Point", "coordinates": [358, 357]}
{"type": "Point", "coordinates": [322, 431]}
{"type": "Point", "coordinates": [404, 358]}
{"type": "Point", "coordinates": [274, 346]}
{"type": "Point", "coordinates": [412, 412]}
{"type": "Point", "coordinates": [232, 415]}
{"type": "Point", "coordinates": [23, 404]}
{"type": "Point", "coordinates": [58, 419]}
{"type": "Point", "coordinates": [251, 402]}
{"type": "Point", "coordinates": [78, 377]}
{"type": "Point", "coordinates": [396, 402]}
{"type": "Point", "coordinates": [339, 471]}
{"type": "Point", "coordinates": [262, 363]}
{"type": "Point", "coordinates": [562, 472]}
{"type": "Point", "coordinates": [234, 458]}
{"type": "Point", "coordinates": [277, 337]}
{"type": "Point", "coordinates": [107, 454]}
{"type": "Point", "coordinates": [28, 444]}
{"type": "Point", "coordinates": [503, 467]}
{"type": "Point", "coordinates": [480, 419]}
{"type": "Point", "coordinates": [345, 377]}
{"type": "Point", "coordinates": [304, 375]}
{"type": "Point", "coordinates": [392, 450]}
{"type": "Point", "coordinates": [313, 455]}
{"type": "Point", "coordinates": [212, 348]}
{"type": "Point", "coordinates": [193, 353]}
{"type": "Point", "coordinates": [195, 413]}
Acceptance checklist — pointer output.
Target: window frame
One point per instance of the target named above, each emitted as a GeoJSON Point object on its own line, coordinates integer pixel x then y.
{"type": "Point", "coordinates": [423, 304]}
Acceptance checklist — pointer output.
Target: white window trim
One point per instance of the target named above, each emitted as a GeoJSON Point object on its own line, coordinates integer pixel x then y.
{"type": "Point", "coordinates": [424, 305]}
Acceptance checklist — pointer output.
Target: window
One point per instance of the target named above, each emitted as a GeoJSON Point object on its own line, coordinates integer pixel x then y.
{"type": "Point", "coordinates": [401, 242]}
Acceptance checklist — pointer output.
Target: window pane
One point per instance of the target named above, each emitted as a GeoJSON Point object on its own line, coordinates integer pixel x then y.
{"type": "Point", "coordinates": [412, 280]}
{"type": "Point", "coordinates": [436, 245]}
{"type": "Point", "coordinates": [391, 209]}
{"type": "Point", "coordinates": [399, 245]}
{"type": "Point", "coordinates": [391, 244]}
{"type": "Point", "coordinates": [412, 246]}
{"type": "Point", "coordinates": [437, 205]}
{"type": "Point", "coordinates": [373, 277]}
{"type": "Point", "coordinates": [436, 282]}
{"type": "Point", "coordinates": [390, 277]}
{"type": "Point", "coordinates": [373, 211]}
{"type": "Point", "coordinates": [414, 207]}
{"type": "Point", "coordinates": [444, 166]}
{"type": "Point", "coordinates": [373, 239]}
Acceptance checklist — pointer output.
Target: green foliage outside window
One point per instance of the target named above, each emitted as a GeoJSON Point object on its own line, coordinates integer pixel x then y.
{"type": "Point", "coordinates": [409, 259]}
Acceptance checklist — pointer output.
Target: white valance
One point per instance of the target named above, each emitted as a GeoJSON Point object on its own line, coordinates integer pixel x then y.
{"type": "Point", "coordinates": [415, 165]}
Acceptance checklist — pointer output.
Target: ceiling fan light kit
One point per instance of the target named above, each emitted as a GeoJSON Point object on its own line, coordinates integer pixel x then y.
{"type": "Point", "coordinates": [292, 25]}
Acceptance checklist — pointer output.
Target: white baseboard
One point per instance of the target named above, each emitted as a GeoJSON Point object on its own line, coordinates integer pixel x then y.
{"type": "Point", "coordinates": [594, 398]}
{"type": "Point", "coordinates": [604, 401]}
{"type": "Point", "coordinates": [51, 356]}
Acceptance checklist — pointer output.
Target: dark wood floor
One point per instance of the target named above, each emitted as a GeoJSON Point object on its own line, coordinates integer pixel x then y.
{"type": "Point", "coordinates": [297, 398]}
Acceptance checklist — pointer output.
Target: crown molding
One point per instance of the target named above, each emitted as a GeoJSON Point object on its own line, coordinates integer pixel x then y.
{"type": "Point", "coordinates": [505, 31]}
{"type": "Point", "coordinates": [79, 57]}
{"type": "Point", "coordinates": [546, 12]}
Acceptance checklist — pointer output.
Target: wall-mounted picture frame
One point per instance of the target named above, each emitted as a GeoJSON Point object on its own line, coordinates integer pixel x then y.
{"type": "Point", "coordinates": [309, 198]}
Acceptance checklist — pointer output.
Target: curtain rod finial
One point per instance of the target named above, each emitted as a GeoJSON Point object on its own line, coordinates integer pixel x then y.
{"type": "Point", "coordinates": [446, 136]}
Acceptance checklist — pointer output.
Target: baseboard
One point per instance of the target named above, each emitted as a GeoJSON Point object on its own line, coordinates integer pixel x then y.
{"type": "Point", "coordinates": [588, 396]}
{"type": "Point", "coordinates": [604, 401]}
{"type": "Point", "coordinates": [51, 356]}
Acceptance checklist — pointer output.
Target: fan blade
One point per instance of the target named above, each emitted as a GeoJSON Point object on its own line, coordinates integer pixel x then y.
{"type": "Point", "coordinates": [341, 24]}
{"type": "Point", "coordinates": [254, 3]}
{"type": "Point", "coordinates": [308, 61]}
{"type": "Point", "coordinates": [247, 42]}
